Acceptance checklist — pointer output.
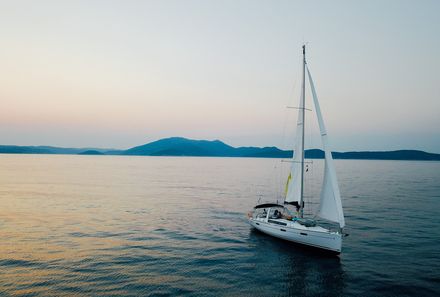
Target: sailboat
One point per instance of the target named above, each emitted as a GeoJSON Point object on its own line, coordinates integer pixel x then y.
{"type": "Point", "coordinates": [279, 220]}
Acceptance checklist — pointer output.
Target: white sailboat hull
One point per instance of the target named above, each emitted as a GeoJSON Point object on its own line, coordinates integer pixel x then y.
{"type": "Point", "coordinates": [317, 237]}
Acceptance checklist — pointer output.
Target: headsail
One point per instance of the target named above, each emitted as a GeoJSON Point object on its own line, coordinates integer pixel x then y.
{"type": "Point", "coordinates": [295, 183]}
{"type": "Point", "coordinates": [330, 207]}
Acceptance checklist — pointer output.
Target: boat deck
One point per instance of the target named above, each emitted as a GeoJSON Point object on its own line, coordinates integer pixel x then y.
{"type": "Point", "coordinates": [293, 224]}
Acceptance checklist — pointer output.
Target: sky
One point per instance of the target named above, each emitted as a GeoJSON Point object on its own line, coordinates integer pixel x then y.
{"type": "Point", "coordinates": [116, 74]}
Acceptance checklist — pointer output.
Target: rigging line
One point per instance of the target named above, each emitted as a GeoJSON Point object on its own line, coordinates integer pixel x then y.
{"type": "Point", "coordinates": [276, 177]}
{"type": "Point", "coordinates": [293, 107]}
{"type": "Point", "coordinates": [311, 204]}
{"type": "Point", "coordinates": [287, 117]}
{"type": "Point", "coordinates": [291, 95]}
{"type": "Point", "coordinates": [312, 199]}
{"type": "Point", "coordinates": [291, 161]}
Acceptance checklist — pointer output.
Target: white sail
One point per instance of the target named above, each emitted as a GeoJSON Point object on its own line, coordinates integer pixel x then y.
{"type": "Point", "coordinates": [330, 207]}
{"type": "Point", "coordinates": [294, 183]}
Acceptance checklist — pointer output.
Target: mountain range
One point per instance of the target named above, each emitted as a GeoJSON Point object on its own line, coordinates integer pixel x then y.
{"type": "Point", "coordinates": [179, 146]}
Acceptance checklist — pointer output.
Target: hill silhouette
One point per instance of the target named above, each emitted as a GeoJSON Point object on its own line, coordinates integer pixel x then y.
{"type": "Point", "coordinates": [91, 152]}
{"type": "Point", "coordinates": [179, 146]}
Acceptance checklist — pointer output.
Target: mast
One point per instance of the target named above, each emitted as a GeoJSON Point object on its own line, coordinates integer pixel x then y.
{"type": "Point", "coordinates": [303, 109]}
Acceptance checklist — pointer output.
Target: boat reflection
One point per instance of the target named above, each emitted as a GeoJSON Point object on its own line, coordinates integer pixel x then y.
{"type": "Point", "coordinates": [296, 270]}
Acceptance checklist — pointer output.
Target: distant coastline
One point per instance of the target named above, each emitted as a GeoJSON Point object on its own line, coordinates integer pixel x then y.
{"type": "Point", "coordinates": [179, 146]}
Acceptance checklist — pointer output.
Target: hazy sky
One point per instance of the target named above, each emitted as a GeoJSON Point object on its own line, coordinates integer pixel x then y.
{"type": "Point", "coordinates": [122, 73]}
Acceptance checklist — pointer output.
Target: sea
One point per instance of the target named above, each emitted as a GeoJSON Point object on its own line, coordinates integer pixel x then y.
{"type": "Point", "coordinates": [75, 225]}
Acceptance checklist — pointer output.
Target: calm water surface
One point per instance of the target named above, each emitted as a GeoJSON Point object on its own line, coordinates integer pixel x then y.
{"type": "Point", "coordinates": [140, 226]}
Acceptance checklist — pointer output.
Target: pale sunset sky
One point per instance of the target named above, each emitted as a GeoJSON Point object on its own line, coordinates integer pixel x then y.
{"type": "Point", "coordinates": [116, 74]}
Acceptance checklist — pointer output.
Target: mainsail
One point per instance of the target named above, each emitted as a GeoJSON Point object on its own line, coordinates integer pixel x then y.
{"type": "Point", "coordinates": [330, 207]}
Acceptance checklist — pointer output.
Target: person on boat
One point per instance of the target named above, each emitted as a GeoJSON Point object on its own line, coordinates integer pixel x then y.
{"type": "Point", "coordinates": [277, 214]}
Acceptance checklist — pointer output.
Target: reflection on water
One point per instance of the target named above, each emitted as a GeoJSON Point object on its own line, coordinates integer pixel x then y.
{"type": "Point", "coordinates": [108, 225]}
{"type": "Point", "coordinates": [299, 270]}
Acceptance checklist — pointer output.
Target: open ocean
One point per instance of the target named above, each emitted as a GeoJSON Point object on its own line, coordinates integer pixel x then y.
{"type": "Point", "coordinates": [176, 226]}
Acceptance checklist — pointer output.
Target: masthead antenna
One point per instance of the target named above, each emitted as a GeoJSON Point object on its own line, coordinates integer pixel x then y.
{"type": "Point", "coordinates": [304, 52]}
